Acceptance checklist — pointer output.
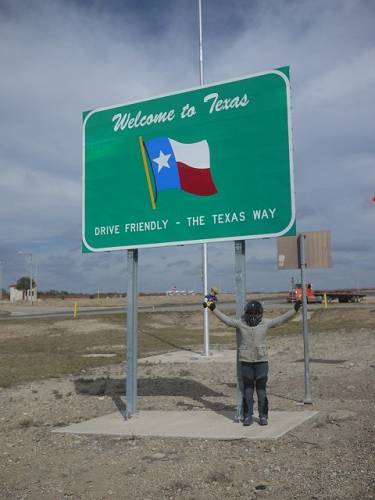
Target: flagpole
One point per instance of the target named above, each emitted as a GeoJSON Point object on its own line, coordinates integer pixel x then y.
{"type": "Point", "coordinates": [148, 179]}
{"type": "Point", "coordinates": [200, 43]}
{"type": "Point", "coordinates": [205, 284]}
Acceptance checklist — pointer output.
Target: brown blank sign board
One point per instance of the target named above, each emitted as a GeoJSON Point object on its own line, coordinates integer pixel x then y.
{"type": "Point", "coordinates": [317, 250]}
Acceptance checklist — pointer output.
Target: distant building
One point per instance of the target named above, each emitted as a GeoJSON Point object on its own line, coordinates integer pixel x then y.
{"type": "Point", "coordinates": [16, 295]}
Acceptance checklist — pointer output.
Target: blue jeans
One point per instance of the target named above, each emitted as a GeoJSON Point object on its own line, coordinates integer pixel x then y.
{"type": "Point", "coordinates": [255, 375]}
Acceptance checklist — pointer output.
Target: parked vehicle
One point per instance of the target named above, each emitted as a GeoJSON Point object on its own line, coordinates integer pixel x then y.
{"type": "Point", "coordinates": [317, 296]}
{"type": "Point", "coordinates": [296, 294]}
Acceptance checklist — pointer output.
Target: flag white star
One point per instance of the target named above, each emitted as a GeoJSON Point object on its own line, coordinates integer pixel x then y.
{"type": "Point", "coordinates": [162, 161]}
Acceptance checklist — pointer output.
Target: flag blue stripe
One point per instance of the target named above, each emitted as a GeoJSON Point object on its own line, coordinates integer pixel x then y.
{"type": "Point", "coordinates": [166, 177]}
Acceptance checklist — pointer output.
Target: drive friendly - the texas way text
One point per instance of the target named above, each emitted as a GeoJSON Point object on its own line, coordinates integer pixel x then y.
{"type": "Point", "coordinates": [190, 221]}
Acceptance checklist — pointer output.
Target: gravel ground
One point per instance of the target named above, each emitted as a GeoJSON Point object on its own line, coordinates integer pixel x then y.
{"type": "Point", "coordinates": [329, 457]}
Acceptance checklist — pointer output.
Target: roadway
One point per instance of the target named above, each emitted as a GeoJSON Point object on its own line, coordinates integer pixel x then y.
{"type": "Point", "coordinates": [22, 312]}
{"type": "Point", "coordinates": [37, 312]}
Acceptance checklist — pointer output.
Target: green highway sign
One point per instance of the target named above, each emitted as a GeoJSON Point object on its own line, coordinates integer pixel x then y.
{"type": "Point", "coordinates": [209, 164]}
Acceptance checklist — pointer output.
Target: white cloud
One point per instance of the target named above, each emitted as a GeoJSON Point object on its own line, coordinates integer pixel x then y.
{"type": "Point", "coordinates": [59, 58]}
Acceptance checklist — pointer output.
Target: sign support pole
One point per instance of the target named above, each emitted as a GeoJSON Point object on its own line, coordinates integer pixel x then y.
{"type": "Point", "coordinates": [205, 311]}
{"type": "Point", "coordinates": [307, 399]}
{"type": "Point", "coordinates": [205, 286]}
{"type": "Point", "coordinates": [132, 326]}
{"type": "Point", "coordinates": [240, 280]}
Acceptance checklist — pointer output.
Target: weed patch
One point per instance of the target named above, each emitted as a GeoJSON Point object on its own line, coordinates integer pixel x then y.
{"type": "Point", "coordinates": [44, 348]}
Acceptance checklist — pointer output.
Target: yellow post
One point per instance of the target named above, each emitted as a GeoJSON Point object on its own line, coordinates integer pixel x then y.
{"type": "Point", "coordinates": [325, 301]}
{"type": "Point", "coordinates": [148, 179]}
{"type": "Point", "coordinates": [75, 310]}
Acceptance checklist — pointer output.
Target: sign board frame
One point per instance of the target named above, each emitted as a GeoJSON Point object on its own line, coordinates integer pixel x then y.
{"type": "Point", "coordinates": [90, 184]}
{"type": "Point", "coordinates": [317, 251]}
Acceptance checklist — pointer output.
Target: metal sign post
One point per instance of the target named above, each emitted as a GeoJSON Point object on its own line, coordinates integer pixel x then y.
{"type": "Point", "coordinates": [132, 325]}
{"type": "Point", "coordinates": [307, 250]}
{"type": "Point", "coordinates": [307, 399]}
{"type": "Point", "coordinates": [206, 327]}
{"type": "Point", "coordinates": [240, 279]}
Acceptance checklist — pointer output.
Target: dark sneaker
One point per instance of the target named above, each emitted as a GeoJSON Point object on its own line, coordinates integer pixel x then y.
{"type": "Point", "coordinates": [247, 421]}
{"type": "Point", "coordinates": [263, 421]}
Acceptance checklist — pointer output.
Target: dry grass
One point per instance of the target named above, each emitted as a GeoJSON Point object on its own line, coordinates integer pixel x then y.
{"type": "Point", "coordinates": [43, 348]}
{"type": "Point", "coordinates": [52, 347]}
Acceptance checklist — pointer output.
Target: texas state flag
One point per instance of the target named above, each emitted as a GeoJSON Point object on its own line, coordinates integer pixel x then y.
{"type": "Point", "coordinates": [181, 166]}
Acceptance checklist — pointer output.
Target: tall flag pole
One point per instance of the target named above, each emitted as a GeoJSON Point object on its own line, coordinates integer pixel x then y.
{"type": "Point", "coordinates": [200, 43]}
{"type": "Point", "coordinates": [205, 285]}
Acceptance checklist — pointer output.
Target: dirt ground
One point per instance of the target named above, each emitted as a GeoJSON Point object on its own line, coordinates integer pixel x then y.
{"type": "Point", "coordinates": [329, 457]}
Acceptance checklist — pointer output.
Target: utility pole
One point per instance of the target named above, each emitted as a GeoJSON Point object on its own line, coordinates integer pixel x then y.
{"type": "Point", "coordinates": [29, 254]}
{"type": "Point", "coordinates": [36, 281]}
{"type": "Point", "coordinates": [1, 280]}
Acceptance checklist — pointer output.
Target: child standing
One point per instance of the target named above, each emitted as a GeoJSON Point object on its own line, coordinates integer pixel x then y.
{"type": "Point", "coordinates": [253, 353]}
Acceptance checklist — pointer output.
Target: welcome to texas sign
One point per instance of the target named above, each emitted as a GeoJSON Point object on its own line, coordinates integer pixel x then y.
{"type": "Point", "coordinates": [209, 164]}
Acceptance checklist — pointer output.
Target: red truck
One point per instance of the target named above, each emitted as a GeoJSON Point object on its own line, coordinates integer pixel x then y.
{"type": "Point", "coordinates": [296, 294]}
{"type": "Point", "coordinates": [317, 296]}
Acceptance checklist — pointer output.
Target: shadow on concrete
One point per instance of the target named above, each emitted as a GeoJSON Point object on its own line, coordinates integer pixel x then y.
{"type": "Point", "coordinates": [115, 388]}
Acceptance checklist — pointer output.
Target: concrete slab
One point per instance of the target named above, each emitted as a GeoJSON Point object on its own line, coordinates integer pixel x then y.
{"type": "Point", "coordinates": [190, 424]}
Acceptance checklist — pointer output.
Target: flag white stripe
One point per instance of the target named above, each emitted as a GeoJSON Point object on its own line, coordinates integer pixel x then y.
{"type": "Point", "coordinates": [196, 155]}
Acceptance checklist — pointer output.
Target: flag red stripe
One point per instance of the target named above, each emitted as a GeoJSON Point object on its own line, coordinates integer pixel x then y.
{"type": "Point", "coordinates": [196, 180]}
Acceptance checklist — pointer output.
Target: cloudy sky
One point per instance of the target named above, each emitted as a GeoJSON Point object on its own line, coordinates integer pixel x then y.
{"type": "Point", "coordinates": [61, 57]}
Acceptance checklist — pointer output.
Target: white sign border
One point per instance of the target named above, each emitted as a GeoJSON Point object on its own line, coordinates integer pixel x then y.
{"type": "Point", "coordinates": [207, 240]}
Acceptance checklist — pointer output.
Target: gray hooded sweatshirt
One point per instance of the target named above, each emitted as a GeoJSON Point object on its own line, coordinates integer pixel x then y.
{"type": "Point", "coordinates": [253, 339]}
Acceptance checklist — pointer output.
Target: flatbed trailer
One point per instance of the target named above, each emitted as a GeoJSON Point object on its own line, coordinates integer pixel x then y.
{"type": "Point", "coordinates": [342, 296]}
{"type": "Point", "coordinates": [316, 296]}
